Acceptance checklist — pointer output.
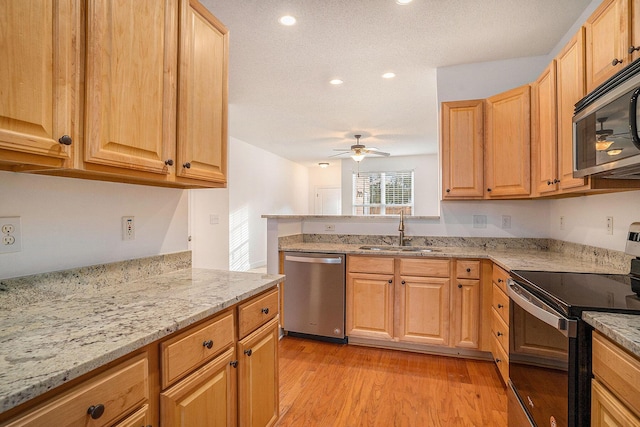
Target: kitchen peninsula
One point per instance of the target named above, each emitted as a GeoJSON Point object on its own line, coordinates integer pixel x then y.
{"type": "Point", "coordinates": [70, 326]}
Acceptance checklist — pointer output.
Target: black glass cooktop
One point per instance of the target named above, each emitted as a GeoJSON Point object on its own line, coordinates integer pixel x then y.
{"type": "Point", "coordinates": [573, 293]}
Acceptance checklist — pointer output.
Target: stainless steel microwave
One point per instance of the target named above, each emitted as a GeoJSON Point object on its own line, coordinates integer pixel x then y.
{"type": "Point", "coordinates": [606, 140]}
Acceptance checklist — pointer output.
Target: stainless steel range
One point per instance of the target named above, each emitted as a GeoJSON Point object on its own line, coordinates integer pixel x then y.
{"type": "Point", "coordinates": [550, 346]}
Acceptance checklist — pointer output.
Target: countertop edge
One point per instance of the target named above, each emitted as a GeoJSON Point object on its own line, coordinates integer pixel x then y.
{"type": "Point", "coordinates": [623, 329]}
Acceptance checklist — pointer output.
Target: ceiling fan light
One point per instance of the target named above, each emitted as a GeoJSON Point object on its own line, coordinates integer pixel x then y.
{"type": "Point", "coordinates": [323, 165]}
{"type": "Point", "coordinates": [403, 2]}
{"type": "Point", "coordinates": [357, 157]}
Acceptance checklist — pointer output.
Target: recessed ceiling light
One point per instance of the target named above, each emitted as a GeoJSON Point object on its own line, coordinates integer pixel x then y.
{"type": "Point", "coordinates": [388, 75]}
{"type": "Point", "coordinates": [323, 165]}
{"type": "Point", "coordinates": [287, 20]}
{"type": "Point", "coordinates": [336, 82]}
{"type": "Point", "coordinates": [403, 2]}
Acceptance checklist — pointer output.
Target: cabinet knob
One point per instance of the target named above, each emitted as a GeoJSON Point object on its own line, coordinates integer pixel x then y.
{"type": "Point", "coordinates": [65, 140]}
{"type": "Point", "coordinates": [448, 190]}
{"type": "Point", "coordinates": [234, 363]}
{"type": "Point", "coordinates": [615, 62]}
{"type": "Point", "coordinates": [549, 183]}
{"type": "Point", "coordinates": [459, 286]}
{"type": "Point", "coordinates": [498, 360]}
{"type": "Point", "coordinates": [468, 270]}
{"type": "Point", "coordinates": [500, 280]}
{"type": "Point", "coordinates": [390, 281]}
{"type": "Point", "coordinates": [403, 282]}
{"type": "Point", "coordinates": [187, 165]}
{"type": "Point", "coordinates": [633, 49]}
{"type": "Point", "coordinates": [248, 352]}
{"type": "Point", "coordinates": [555, 181]}
{"type": "Point", "coordinates": [499, 333]}
{"type": "Point", "coordinates": [489, 190]}
{"type": "Point", "coordinates": [500, 305]}
{"type": "Point", "coordinates": [208, 344]}
{"type": "Point", "coordinates": [265, 310]}
{"type": "Point", "coordinates": [96, 411]}
{"type": "Point", "coordinates": [168, 162]}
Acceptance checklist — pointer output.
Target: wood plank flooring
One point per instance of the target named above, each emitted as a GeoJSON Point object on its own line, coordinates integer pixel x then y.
{"type": "Point", "coordinates": [334, 385]}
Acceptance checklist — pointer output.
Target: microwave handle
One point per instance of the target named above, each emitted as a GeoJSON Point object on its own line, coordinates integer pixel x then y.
{"type": "Point", "coordinates": [633, 121]}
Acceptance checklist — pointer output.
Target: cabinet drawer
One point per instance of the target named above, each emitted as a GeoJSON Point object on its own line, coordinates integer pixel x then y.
{"type": "Point", "coordinates": [467, 269]}
{"type": "Point", "coordinates": [500, 330]}
{"type": "Point", "coordinates": [119, 390]}
{"type": "Point", "coordinates": [500, 277]}
{"type": "Point", "coordinates": [425, 267]}
{"type": "Point", "coordinates": [501, 359]}
{"type": "Point", "coordinates": [256, 312]}
{"type": "Point", "coordinates": [368, 264]}
{"type": "Point", "coordinates": [190, 349]}
{"type": "Point", "coordinates": [139, 418]}
{"type": "Point", "coordinates": [500, 303]}
{"type": "Point", "coordinates": [618, 370]}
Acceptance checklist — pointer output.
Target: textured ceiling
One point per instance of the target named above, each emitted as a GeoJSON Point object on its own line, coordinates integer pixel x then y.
{"type": "Point", "coordinates": [279, 95]}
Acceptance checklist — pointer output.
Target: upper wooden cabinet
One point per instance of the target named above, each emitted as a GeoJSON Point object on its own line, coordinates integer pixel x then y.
{"type": "Point", "coordinates": [608, 32]}
{"type": "Point", "coordinates": [38, 81]}
{"type": "Point", "coordinates": [544, 146]}
{"type": "Point", "coordinates": [463, 149]}
{"type": "Point", "coordinates": [154, 107]}
{"type": "Point", "coordinates": [507, 144]}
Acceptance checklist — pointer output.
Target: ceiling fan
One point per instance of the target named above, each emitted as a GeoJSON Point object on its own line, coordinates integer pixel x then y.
{"type": "Point", "coordinates": [359, 151]}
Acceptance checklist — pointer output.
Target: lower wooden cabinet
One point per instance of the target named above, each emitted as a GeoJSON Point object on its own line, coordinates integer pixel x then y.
{"type": "Point", "coordinates": [207, 397]}
{"type": "Point", "coordinates": [258, 377]}
{"type": "Point", "coordinates": [615, 388]}
{"type": "Point", "coordinates": [500, 321]}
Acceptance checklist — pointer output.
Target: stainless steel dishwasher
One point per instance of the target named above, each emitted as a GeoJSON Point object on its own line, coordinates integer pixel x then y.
{"type": "Point", "coordinates": [314, 295]}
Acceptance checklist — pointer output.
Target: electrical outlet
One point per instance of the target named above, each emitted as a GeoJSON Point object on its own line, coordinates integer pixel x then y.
{"type": "Point", "coordinates": [609, 225]}
{"type": "Point", "coordinates": [479, 221]}
{"type": "Point", "coordinates": [10, 234]}
{"type": "Point", "coordinates": [329, 227]}
{"type": "Point", "coordinates": [506, 221]}
{"type": "Point", "coordinates": [128, 228]}
{"type": "Point", "coordinates": [561, 223]}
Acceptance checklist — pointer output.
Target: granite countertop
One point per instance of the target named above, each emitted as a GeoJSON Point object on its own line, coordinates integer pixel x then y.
{"type": "Point", "coordinates": [509, 259]}
{"type": "Point", "coordinates": [50, 337]}
{"type": "Point", "coordinates": [623, 329]}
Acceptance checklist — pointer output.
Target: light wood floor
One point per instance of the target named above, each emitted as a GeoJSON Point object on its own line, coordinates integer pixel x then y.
{"type": "Point", "coordinates": [333, 385]}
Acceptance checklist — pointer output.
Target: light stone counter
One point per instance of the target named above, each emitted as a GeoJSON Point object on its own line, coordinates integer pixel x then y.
{"type": "Point", "coordinates": [623, 329]}
{"type": "Point", "coordinates": [55, 334]}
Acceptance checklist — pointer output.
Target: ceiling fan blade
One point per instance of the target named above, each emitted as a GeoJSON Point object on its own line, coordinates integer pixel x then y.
{"type": "Point", "coordinates": [376, 152]}
{"type": "Point", "coordinates": [342, 149]}
{"type": "Point", "coordinates": [339, 154]}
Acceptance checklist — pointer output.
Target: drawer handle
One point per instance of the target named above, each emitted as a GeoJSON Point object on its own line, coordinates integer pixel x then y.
{"type": "Point", "coordinates": [265, 310]}
{"type": "Point", "coordinates": [208, 344]}
{"type": "Point", "coordinates": [500, 306]}
{"type": "Point", "coordinates": [234, 363]}
{"type": "Point", "coordinates": [96, 411]}
{"type": "Point", "coordinates": [468, 270]}
{"type": "Point", "coordinates": [248, 352]}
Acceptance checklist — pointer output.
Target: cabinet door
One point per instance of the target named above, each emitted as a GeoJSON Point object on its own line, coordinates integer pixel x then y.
{"type": "Point", "coordinates": [202, 100]}
{"type": "Point", "coordinates": [370, 306]}
{"type": "Point", "coordinates": [205, 398]}
{"type": "Point", "coordinates": [465, 323]}
{"type": "Point", "coordinates": [140, 418]}
{"type": "Point", "coordinates": [507, 144]}
{"type": "Point", "coordinates": [129, 90]}
{"type": "Point", "coordinates": [258, 377]}
{"type": "Point", "coordinates": [462, 149]}
{"type": "Point", "coordinates": [423, 312]}
{"type": "Point", "coordinates": [571, 89]}
{"type": "Point", "coordinates": [543, 129]}
{"type": "Point", "coordinates": [607, 410]}
{"type": "Point", "coordinates": [607, 32]}
{"type": "Point", "coordinates": [38, 80]}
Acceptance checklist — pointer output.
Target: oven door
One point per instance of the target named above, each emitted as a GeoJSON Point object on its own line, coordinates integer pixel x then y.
{"type": "Point", "coordinates": [540, 370]}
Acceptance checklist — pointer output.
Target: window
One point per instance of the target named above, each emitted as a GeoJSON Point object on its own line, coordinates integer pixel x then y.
{"type": "Point", "coordinates": [383, 193]}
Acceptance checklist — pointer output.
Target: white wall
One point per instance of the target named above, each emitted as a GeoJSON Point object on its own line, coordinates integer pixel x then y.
{"type": "Point", "coordinates": [209, 219]}
{"type": "Point", "coordinates": [69, 223]}
{"type": "Point", "coordinates": [329, 177]}
{"type": "Point", "coordinates": [426, 179]}
{"type": "Point", "coordinates": [260, 183]}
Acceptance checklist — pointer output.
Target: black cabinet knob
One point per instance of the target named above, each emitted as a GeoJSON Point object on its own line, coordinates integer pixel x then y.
{"type": "Point", "coordinates": [500, 280]}
{"type": "Point", "coordinates": [234, 363]}
{"type": "Point", "coordinates": [448, 190]}
{"type": "Point", "coordinates": [459, 286]}
{"type": "Point", "coordinates": [555, 181]}
{"type": "Point", "coordinates": [208, 344]}
{"type": "Point", "coordinates": [499, 333]}
{"type": "Point", "coordinates": [403, 282]}
{"type": "Point", "coordinates": [615, 62]}
{"type": "Point", "coordinates": [168, 162]}
{"type": "Point", "coordinates": [248, 352]}
{"type": "Point", "coordinates": [500, 305]}
{"type": "Point", "coordinates": [96, 411]}
{"type": "Point", "coordinates": [468, 270]}
{"type": "Point", "coordinates": [390, 281]}
{"type": "Point", "coordinates": [489, 190]}
{"type": "Point", "coordinates": [498, 360]}
{"type": "Point", "coordinates": [633, 49]}
{"type": "Point", "coordinates": [187, 165]}
{"type": "Point", "coordinates": [265, 310]}
{"type": "Point", "coordinates": [65, 140]}
{"type": "Point", "coordinates": [549, 182]}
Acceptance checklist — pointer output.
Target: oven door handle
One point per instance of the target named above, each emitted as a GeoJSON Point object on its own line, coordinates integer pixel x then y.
{"type": "Point", "coordinates": [537, 308]}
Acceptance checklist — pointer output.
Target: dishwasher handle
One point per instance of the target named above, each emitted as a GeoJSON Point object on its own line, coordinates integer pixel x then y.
{"type": "Point", "coordinates": [313, 260]}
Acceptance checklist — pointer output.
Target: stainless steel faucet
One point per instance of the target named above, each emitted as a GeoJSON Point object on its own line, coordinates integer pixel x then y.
{"type": "Point", "coordinates": [401, 229]}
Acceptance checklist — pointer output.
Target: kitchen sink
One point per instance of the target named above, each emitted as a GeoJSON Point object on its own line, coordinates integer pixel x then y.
{"type": "Point", "coordinates": [397, 248]}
